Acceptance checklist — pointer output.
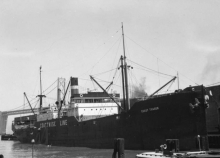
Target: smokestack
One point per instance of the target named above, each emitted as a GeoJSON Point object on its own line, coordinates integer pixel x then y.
{"type": "Point", "coordinates": [74, 86]}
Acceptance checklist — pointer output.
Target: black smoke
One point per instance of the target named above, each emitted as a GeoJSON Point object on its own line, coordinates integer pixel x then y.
{"type": "Point", "coordinates": [139, 90]}
{"type": "Point", "coordinates": [211, 71]}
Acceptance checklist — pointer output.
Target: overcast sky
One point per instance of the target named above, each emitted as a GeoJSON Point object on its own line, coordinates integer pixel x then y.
{"type": "Point", "coordinates": [80, 38]}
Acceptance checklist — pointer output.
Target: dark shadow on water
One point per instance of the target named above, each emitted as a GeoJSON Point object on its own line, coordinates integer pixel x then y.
{"type": "Point", "coordinates": [19, 150]}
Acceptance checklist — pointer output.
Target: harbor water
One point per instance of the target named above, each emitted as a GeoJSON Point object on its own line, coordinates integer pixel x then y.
{"type": "Point", "coordinates": [15, 149]}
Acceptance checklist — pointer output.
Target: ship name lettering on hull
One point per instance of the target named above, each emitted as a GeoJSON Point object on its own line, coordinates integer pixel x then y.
{"type": "Point", "coordinates": [153, 109]}
{"type": "Point", "coordinates": [145, 110]}
{"type": "Point", "coordinates": [47, 124]}
{"type": "Point", "coordinates": [150, 109]}
{"type": "Point", "coordinates": [63, 123]}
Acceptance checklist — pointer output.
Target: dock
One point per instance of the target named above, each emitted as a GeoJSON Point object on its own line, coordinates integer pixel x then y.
{"type": "Point", "coordinates": [8, 137]}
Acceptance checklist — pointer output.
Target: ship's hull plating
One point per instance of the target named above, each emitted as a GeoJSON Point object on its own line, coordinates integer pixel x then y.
{"type": "Point", "coordinates": [146, 126]}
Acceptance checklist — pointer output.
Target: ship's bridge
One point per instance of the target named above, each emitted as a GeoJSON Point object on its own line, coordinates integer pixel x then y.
{"type": "Point", "coordinates": [93, 105]}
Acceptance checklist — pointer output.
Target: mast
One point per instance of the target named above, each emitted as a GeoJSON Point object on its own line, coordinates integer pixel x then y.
{"type": "Point", "coordinates": [123, 84]}
{"type": "Point", "coordinates": [126, 76]}
{"type": "Point", "coordinates": [58, 94]}
{"type": "Point", "coordinates": [60, 103]}
{"type": "Point", "coordinates": [41, 96]}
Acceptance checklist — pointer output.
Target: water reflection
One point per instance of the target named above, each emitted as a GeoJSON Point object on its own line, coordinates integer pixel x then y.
{"type": "Point", "coordinates": [15, 149]}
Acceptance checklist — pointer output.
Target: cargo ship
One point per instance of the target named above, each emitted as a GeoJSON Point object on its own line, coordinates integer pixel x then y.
{"type": "Point", "coordinates": [94, 119]}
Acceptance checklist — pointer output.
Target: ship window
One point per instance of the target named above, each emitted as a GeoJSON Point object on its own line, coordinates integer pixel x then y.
{"type": "Point", "coordinates": [97, 100]}
{"type": "Point", "coordinates": [78, 101]}
{"type": "Point", "coordinates": [107, 100]}
{"type": "Point", "coordinates": [88, 100]}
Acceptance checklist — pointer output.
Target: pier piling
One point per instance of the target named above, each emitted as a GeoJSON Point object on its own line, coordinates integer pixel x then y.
{"type": "Point", "coordinates": [118, 148]}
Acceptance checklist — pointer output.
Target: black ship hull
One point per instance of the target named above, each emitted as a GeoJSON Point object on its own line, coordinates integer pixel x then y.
{"type": "Point", "coordinates": [146, 125]}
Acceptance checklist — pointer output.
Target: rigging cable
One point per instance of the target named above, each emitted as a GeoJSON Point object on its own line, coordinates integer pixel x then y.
{"type": "Point", "coordinates": [119, 78]}
{"type": "Point", "coordinates": [115, 56]}
{"type": "Point", "coordinates": [170, 85]}
{"type": "Point", "coordinates": [116, 70]}
{"type": "Point", "coordinates": [150, 69]}
{"type": "Point", "coordinates": [21, 106]}
{"type": "Point", "coordinates": [93, 85]}
{"type": "Point", "coordinates": [160, 59]}
{"type": "Point", "coordinates": [104, 72]}
{"type": "Point", "coordinates": [132, 74]}
{"type": "Point", "coordinates": [212, 84]}
{"type": "Point", "coordinates": [158, 72]}
{"type": "Point", "coordinates": [50, 86]}
{"type": "Point", "coordinates": [51, 90]}
{"type": "Point", "coordinates": [36, 103]}
{"type": "Point", "coordinates": [165, 75]}
{"type": "Point", "coordinates": [91, 70]}
{"type": "Point", "coordinates": [100, 59]}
